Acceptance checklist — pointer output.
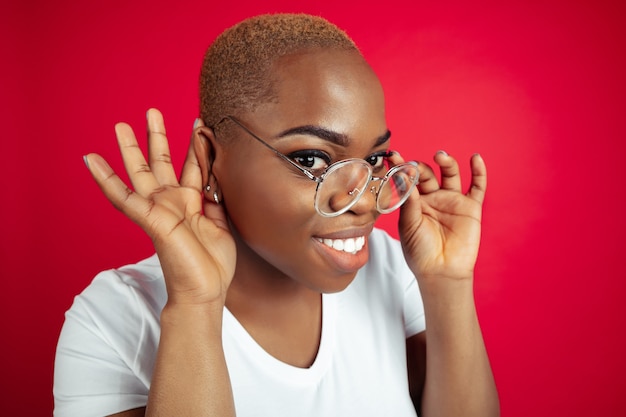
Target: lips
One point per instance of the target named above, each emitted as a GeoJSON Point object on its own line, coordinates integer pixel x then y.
{"type": "Point", "coordinates": [349, 245]}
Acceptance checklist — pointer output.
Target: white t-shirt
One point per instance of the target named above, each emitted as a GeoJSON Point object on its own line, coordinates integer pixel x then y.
{"type": "Point", "coordinates": [107, 348]}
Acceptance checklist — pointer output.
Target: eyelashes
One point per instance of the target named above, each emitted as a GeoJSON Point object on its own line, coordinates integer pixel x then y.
{"type": "Point", "coordinates": [378, 160]}
{"type": "Point", "coordinates": [317, 160]}
{"type": "Point", "coordinates": [311, 158]}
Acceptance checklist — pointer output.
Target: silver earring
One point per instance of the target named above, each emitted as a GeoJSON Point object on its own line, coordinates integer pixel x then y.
{"type": "Point", "coordinates": [215, 197]}
{"type": "Point", "coordinates": [207, 188]}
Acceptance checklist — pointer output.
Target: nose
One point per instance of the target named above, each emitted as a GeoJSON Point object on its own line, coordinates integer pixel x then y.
{"type": "Point", "coordinates": [367, 202]}
{"type": "Point", "coordinates": [373, 186]}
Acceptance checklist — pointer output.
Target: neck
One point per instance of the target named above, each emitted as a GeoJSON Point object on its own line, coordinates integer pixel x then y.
{"type": "Point", "coordinates": [281, 314]}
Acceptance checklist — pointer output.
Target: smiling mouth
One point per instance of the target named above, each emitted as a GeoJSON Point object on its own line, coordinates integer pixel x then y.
{"type": "Point", "coordinates": [350, 245]}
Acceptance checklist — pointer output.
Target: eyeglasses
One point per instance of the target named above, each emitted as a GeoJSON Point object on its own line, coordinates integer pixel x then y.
{"type": "Point", "coordinates": [342, 183]}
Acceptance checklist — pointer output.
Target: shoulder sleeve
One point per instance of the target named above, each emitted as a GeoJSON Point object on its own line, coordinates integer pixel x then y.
{"type": "Point", "coordinates": [388, 252]}
{"type": "Point", "coordinates": [108, 343]}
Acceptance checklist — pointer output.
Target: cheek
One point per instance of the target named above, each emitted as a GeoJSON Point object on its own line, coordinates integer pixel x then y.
{"type": "Point", "coordinates": [268, 206]}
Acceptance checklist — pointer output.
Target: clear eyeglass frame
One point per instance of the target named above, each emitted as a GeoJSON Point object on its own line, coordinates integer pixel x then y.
{"type": "Point", "coordinates": [356, 193]}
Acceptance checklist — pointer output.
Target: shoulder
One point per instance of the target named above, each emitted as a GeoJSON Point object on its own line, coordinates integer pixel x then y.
{"type": "Point", "coordinates": [388, 280]}
{"type": "Point", "coordinates": [120, 302]}
{"type": "Point", "coordinates": [383, 243]}
{"type": "Point", "coordinates": [386, 257]}
{"type": "Point", "coordinates": [142, 281]}
{"type": "Point", "coordinates": [112, 331]}
{"type": "Point", "coordinates": [386, 274]}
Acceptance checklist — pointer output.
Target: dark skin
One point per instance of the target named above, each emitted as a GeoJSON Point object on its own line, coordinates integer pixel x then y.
{"type": "Point", "coordinates": [259, 256]}
{"type": "Point", "coordinates": [273, 299]}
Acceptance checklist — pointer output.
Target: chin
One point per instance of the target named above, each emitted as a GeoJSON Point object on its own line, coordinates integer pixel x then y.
{"type": "Point", "coordinates": [335, 284]}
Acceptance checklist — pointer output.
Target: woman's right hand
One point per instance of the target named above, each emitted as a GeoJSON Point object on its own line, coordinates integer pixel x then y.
{"type": "Point", "coordinates": [190, 234]}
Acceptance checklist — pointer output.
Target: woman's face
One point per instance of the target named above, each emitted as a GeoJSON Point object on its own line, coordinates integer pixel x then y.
{"type": "Point", "coordinates": [329, 107]}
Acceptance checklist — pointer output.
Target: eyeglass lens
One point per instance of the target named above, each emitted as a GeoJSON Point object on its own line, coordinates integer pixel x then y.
{"type": "Point", "coordinates": [345, 182]}
{"type": "Point", "coordinates": [396, 189]}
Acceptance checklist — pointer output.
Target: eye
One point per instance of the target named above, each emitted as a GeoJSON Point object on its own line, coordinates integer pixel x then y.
{"type": "Point", "coordinates": [312, 159]}
{"type": "Point", "coordinates": [378, 160]}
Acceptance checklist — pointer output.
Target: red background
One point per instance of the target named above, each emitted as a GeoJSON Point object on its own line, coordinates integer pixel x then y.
{"type": "Point", "coordinates": [536, 87]}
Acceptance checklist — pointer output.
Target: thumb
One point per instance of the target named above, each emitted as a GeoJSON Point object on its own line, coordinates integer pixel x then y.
{"type": "Point", "coordinates": [217, 214]}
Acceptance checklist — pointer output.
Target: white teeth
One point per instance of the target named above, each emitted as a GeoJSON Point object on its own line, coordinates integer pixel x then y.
{"type": "Point", "coordinates": [351, 245]}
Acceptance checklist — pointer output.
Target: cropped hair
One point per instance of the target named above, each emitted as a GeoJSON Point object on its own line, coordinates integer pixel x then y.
{"type": "Point", "coordinates": [236, 71]}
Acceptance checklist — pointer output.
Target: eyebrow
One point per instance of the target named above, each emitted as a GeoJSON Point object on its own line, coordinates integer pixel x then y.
{"type": "Point", "coordinates": [329, 135]}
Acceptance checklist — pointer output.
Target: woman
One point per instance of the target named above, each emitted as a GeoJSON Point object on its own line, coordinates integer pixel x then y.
{"type": "Point", "coordinates": [273, 293]}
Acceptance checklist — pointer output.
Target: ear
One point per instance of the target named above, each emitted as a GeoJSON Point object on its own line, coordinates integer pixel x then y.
{"type": "Point", "coordinates": [204, 145]}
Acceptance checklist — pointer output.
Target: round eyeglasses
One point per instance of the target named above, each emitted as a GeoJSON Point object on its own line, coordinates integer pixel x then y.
{"type": "Point", "coordinates": [342, 183]}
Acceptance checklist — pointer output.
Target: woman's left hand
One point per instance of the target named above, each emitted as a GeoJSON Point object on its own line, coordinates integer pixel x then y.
{"type": "Point", "coordinates": [439, 225]}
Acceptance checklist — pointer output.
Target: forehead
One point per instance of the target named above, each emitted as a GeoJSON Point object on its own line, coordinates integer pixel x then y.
{"type": "Point", "coordinates": [315, 73]}
{"type": "Point", "coordinates": [333, 88]}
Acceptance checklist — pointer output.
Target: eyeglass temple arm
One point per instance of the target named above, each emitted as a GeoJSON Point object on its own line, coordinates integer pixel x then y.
{"type": "Point", "coordinates": [268, 146]}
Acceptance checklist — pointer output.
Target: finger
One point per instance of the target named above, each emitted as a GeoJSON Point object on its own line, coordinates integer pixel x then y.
{"type": "Point", "coordinates": [191, 175]}
{"type": "Point", "coordinates": [139, 172]}
{"type": "Point", "coordinates": [217, 214]}
{"type": "Point", "coordinates": [450, 175]}
{"type": "Point", "coordinates": [159, 150]}
{"type": "Point", "coordinates": [428, 182]}
{"type": "Point", "coordinates": [116, 191]}
{"type": "Point", "coordinates": [479, 178]}
{"type": "Point", "coordinates": [395, 159]}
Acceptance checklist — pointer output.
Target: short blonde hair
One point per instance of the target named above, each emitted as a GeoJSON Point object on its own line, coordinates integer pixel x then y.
{"type": "Point", "coordinates": [235, 73]}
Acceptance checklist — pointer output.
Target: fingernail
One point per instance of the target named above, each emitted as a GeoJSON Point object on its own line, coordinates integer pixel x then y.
{"type": "Point", "coordinates": [86, 161]}
{"type": "Point", "coordinates": [444, 153]}
{"type": "Point", "coordinates": [196, 122]}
